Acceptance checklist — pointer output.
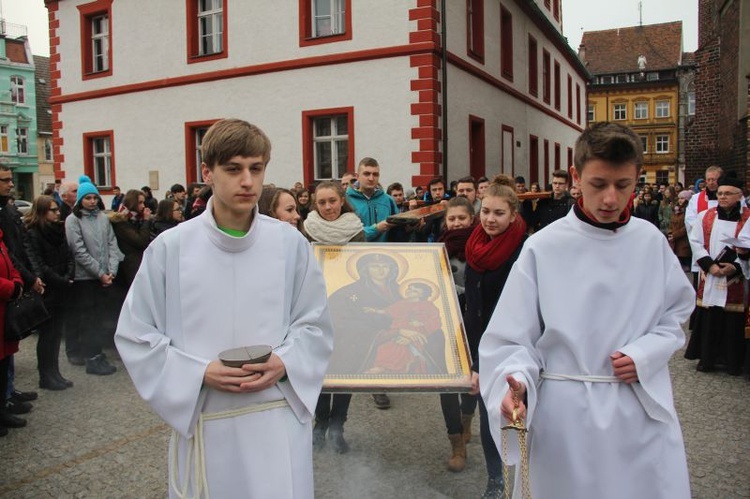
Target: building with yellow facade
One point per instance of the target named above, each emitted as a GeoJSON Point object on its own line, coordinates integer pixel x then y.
{"type": "Point", "coordinates": [637, 73]}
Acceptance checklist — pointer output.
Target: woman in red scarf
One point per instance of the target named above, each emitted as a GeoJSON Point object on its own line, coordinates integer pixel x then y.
{"type": "Point", "coordinates": [491, 250]}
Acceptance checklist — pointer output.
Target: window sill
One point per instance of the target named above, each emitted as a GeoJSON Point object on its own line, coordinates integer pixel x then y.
{"type": "Point", "coordinates": [98, 74]}
{"type": "Point", "coordinates": [319, 40]}
{"type": "Point", "coordinates": [192, 59]}
{"type": "Point", "coordinates": [476, 56]}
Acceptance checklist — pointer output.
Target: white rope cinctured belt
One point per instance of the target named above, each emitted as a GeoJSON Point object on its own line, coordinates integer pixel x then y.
{"type": "Point", "coordinates": [195, 457]}
{"type": "Point", "coordinates": [580, 377]}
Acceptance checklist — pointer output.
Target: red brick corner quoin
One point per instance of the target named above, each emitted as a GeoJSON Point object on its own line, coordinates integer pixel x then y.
{"type": "Point", "coordinates": [428, 134]}
{"type": "Point", "coordinates": [54, 68]}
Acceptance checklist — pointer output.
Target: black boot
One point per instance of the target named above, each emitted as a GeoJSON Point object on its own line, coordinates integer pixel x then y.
{"type": "Point", "coordinates": [59, 377]}
{"type": "Point", "coordinates": [319, 434]}
{"type": "Point", "coordinates": [48, 381]}
{"type": "Point", "coordinates": [56, 362]}
{"type": "Point", "coordinates": [336, 435]}
{"type": "Point", "coordinates": [8, 420]}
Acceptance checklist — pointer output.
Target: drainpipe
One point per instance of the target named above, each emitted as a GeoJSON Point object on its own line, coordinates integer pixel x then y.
{"type": "Point", "coordinates": [444, 93]}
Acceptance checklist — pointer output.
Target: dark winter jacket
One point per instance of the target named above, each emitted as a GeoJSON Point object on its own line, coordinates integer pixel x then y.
{"type": "Point", "coordinates": [482, 293]}
{"type": "Point", "coordinates": [13, 237]}
{"type": "Point", "coordinates": [550, 209]}
{"type": "Point", "coordinates": [50, 255]}
{"type": "Point", "coordinates": [132, 238]}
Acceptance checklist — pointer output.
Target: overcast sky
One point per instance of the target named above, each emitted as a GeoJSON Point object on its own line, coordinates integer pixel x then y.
{"type": "Point", "coordinates": [578, 16]}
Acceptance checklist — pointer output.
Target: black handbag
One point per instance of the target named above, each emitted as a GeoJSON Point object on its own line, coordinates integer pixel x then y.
{"type": "Point", "coordinates": [23, 315]}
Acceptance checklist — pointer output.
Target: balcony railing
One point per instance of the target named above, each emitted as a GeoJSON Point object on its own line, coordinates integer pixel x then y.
{"type": "Point", "coordinates": [11, 30]}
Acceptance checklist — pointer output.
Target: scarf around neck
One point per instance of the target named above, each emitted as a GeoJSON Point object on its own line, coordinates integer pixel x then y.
{"type": "Point", "coordinates": [455, 241]}
{"type": "Point", "coordinates": [484, 254]}
{"type": "Point", "coordinates": [585, 216]}
{"type": "Point", "coordinates": [340, 231]}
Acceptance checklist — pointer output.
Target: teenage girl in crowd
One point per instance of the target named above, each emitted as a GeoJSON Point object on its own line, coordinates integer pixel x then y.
{"type": "Point", "coordinates": [279, 203]}
{"type": "Point", "coordinates": [132, 228]}
{"type": "Point", "coordinates": [168, 215]}
{"type": "Point", "coordinates": [51, 260]}
{"type": "Point", "coordinates": [332, 221]}
{"type": "Point", "coordinates": [303, 203]}
{"type": "Point", "coordinates": [97, 257]}
{"type": "Point", "coordinates": [491, 250]}
{"type": "Point", "coordinates": [678, 237]}
{"type": "Point", "coordinates": [458, 411]}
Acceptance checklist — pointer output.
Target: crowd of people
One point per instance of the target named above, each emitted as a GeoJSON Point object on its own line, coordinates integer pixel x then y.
{"type": "Point", "coordinates": [84, 258]}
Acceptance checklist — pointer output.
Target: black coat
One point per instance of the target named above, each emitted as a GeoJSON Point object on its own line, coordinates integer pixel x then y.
{"type": "Point", "coordinates": [50, 255]}
{"type": "Point", "coordinates": [483, 290]}
{"type": "Point", "coordinates": [550, 209]}
{"type": "Point", "coordinates": [13, 237]}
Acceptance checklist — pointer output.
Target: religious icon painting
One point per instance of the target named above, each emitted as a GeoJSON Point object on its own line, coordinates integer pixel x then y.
{"type": "Point", "coordinates": [397, 321]}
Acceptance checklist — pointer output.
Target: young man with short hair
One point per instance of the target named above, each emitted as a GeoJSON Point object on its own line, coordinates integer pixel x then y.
{"type": "Point", "coordinates": [466, 187]}
{"type": "Point", "coordinates": [550, 209]}
{"type": "Point", "coordinates": [396, 191]}
{"type": "Point", "coordinates": [117, 198]}
{"type": "Point", "coordinates": [231, 278]}
{"type": "Point", "coordinates": [482, 184]}
{"type": "Point", "coordinates": [372, 205]}
{"type": "Point", "coordinates": [436, 191]}
{"type": "Point", "coordinates": [586, 368]}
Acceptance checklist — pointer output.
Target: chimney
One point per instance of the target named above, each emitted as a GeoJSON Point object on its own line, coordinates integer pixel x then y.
{"type": "Point", "coordinates": [582, 52]}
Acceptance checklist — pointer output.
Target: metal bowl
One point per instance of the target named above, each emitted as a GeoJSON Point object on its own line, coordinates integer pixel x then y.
{"type": "Point", "coordinates": [238, 357]}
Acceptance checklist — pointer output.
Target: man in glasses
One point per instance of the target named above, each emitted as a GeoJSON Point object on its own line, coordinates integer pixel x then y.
{"type": "Point", "coordinates": [719, 333]}
{"type": "Point", "coordinates": [15, 402]}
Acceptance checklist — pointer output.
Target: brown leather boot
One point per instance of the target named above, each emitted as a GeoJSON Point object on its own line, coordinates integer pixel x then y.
{"type": "Point", "coordinates": [457, 462]}
{"type": "Point", "coordinates": [466, 423]}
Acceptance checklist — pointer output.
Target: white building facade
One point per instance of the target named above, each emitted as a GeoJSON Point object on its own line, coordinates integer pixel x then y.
{"type": "Point", "coordinates": [136, 84]}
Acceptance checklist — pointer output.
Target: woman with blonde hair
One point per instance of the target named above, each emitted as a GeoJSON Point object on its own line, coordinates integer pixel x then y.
{"type": "Point", "coordinates": [332, 219]}
{"type": "Point", "coordinates": [491, 251]}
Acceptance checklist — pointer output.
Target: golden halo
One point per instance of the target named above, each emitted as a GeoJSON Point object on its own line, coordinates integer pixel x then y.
{"type": "Point", "coordinates": [434, 290]}
{"type": "Point", "coordinates": [401, 263]}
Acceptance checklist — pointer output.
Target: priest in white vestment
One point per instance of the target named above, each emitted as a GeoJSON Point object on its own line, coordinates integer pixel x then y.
{"type": "Point", "coordinates": [587, 322]}
{"type": "Point", "coordinates": [231, 278]}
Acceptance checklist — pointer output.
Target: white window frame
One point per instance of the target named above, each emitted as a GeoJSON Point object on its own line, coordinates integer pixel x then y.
{"type": "Point", "coordinates": [644, 141]}
{"type": "Point", "coordinates": [198, 135]}
{"type": "Point", "coordinates": [101, 160]}
{"type": "Point", "coordinates": [17, 90]}
{"type": "Point", "coordinates": [210, 27]}
{"type": "Point", "coordinates": [22, 139]}
{"type": "Point", "coordinates": [336, 18]}
{"type": "Point", "coordinates": [621, 110]}
{"type": "Point", "coordinates": [338, 168]}
{"type": "Point", "coordinates": [4, 139]}
{"type": "Point", "coordinates": [591, 113]}
{"type": "Point", "coordinates": [691, 103]}
{"type": "Point", "coordinates": [100, 43]}
{"type": "Point", "coordinates": [661, 141]}
{"type": "Point", "coordinates": [48, 150]}
{"type": "Point", "coordinates": [640, 110]}
{"type": "Point", "coordinates": [663, 109]}
{"type": "Point", "coordinates": [652, 76]}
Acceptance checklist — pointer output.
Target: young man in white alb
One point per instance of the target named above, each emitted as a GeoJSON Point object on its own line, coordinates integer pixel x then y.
{"type": "Point", "coordinates": [591, 314]}
{"type": "Point", "coordinates": [231, 278]}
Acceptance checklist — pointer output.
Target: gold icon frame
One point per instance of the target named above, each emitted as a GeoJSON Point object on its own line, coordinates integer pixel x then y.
{"type": "Point", "coordinates": [384, 340]}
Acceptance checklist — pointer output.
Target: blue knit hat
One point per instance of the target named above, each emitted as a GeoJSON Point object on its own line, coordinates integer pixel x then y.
{"type": "Point", "coordinates": [85, 187]}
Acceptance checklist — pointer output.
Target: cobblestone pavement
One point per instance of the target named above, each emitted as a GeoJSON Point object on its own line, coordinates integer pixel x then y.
{"type": "Point", "coordinates": [99, 440]}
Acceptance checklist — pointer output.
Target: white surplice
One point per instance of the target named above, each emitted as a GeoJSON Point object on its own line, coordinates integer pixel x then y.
{"type": "Point", "coordinates": [577, 294]}
{"type": "Point", "coordinates": [714, 288]}
{"type": "Point", "coordinates": [200, 291]}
